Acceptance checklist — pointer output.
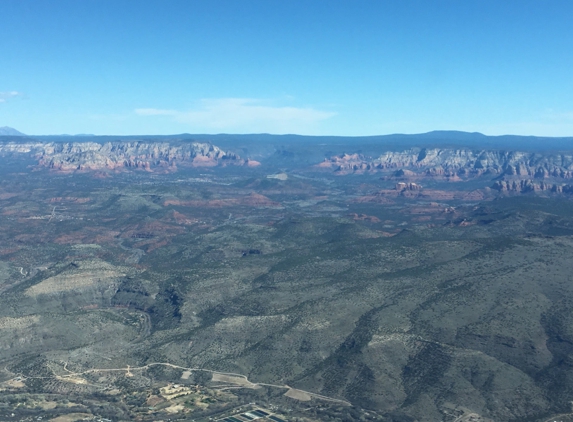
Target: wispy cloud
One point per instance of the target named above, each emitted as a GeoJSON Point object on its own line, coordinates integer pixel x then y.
{"type": "Point", "coordinates": [244, 114]}
{"type": "Point", "coordinates": [6, 96]}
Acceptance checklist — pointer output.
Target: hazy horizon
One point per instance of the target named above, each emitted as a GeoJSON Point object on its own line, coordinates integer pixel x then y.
{"type": "Point", "coordinates": [477, 133]}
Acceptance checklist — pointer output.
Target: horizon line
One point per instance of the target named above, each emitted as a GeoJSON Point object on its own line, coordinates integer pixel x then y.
{"type": "Point", "coordinates": [437, 131]}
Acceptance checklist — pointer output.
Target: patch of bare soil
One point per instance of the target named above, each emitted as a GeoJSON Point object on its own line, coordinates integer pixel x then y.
{"type": "Point", "coordinates": [298, 395]}
{"type": "Point", "coordinates": [176, 408]}
{"type": "Point", "coordinates": [252, 200]}
{"type": "Point", "coordinates": [72, 417]}
{"type": "Point", "coordinates": [70, 199]}
{"type": "Point", "coordinates": [14, 384]}
{"type": "Point", "coordinates": [73, 380]}
{"type": "Point", "coordinates": [47, 405]}
{"type": "Point", "coordinates": [231, 379]}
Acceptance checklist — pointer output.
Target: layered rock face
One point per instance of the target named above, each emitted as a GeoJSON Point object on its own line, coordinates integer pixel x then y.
{"type": "Point", "coordinates": [401, 186]}
{"type": "Point", "coordinates": [528, 185]}
{"type": "Point", "coordinates": [456, 163]}
{"type": "Point", "coordinates": [74, 156]}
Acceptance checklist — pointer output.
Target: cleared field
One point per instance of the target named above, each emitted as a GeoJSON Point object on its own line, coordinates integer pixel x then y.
{"type": "Point", "coordinates": [14, 384]}
{"type": "Point", "coordinates": [72, 417]}
{"type": "Point", "coordinates": [73, 380]}
{"type": "Point", "coordinates": [298, 395]}
{"type": "Point", "coordinates": [231, 379]}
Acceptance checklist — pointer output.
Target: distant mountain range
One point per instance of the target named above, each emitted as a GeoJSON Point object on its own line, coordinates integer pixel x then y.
{"type": "Point", "coordinates": [9, 131]}
{"type": "Point", "coordinates": [150, 156]}
{"type": "Point", "coordinates": [441, 138]}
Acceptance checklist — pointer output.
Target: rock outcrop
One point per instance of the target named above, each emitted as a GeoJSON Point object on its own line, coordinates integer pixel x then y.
{"type": "Point", "coordinates": [401, 186]}
{"type": "Point", "coordinates": [528, 185]}
{"type": "Point", "coordinates": [121, 155]}
{"type": "Point", "coordinates": [453, 164]}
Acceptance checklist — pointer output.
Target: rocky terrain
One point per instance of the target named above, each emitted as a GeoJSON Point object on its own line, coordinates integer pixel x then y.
{"type": "Point", "coordinates": [455, 164]}
{"type": "Point", "coordinates": [379, 296]}
{"type": "Point", "coordinates": [150, 156]}
{"type": "Point", "coordinates": [528, 185]}
{"type": "Point", "coordinates": [504, 171]}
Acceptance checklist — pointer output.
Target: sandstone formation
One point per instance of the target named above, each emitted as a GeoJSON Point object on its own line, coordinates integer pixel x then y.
{"type": "Point", "coordinates": [452, 164]}
{"type": "Point", "coordinates": [401, 186]}
{"type": "Point", "coordinates": [121, 155]}
{"type": "Point", "coordinates": [528, 185]}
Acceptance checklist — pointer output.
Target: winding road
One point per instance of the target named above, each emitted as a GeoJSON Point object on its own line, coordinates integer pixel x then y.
{"type": "Point", "coordinates": [130, 369]}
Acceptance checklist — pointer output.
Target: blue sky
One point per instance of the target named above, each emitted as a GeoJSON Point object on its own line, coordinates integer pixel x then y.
{"type": "Point", "coordinates": [310, 67]}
